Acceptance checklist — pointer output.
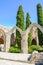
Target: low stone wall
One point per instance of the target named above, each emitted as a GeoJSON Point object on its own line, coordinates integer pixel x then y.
{"type": "Point", "coordinates": [14, 59]}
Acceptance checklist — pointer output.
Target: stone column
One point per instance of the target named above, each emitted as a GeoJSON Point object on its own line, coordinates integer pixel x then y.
{"type": "Point", "coordinates": [7, 41]}
{"type": "Point", "coordinates": [24, 43]}
{"type": "Point", "coordinates": [37, 41]}
{"type": "Point", "coordinates": [12, 39]}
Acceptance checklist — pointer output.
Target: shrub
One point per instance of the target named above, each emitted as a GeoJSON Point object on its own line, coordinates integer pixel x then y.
{"type": "Point", "coordinates": [14, 49]}
{"type": "Point", "coordinates": [34, 48]}
{"type": "Point", "coordinates": [42, 47]}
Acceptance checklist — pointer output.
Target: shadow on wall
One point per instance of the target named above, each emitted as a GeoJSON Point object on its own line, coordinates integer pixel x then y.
{"type": "Point", "coordinates": [34, 42]}
{"type": "Point", "coordinates": [39, 64]}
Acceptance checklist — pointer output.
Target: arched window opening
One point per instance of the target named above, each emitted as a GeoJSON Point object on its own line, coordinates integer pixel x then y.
{"type": "Point", "coordinates": [33, 42]}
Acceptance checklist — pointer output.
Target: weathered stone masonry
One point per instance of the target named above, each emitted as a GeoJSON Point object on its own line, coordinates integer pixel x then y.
{"type": "Point", "coordinates": [5, 34]}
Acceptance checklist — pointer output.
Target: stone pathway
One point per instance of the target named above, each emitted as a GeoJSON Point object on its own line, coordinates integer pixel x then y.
{"type": "Point", "coordinates": [7, 62]}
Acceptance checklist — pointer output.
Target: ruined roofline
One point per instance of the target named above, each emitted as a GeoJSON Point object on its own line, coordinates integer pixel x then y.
{"type": "Point", "coordinates": [1, 26]}
{"type": "Point", "coordinates": [15, 27]}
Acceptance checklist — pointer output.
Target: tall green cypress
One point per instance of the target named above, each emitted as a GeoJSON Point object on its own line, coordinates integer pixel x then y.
{"type": "Point", "coordinates": [42, 16]}
{"type": "Point", "coordinates": [40, 21]}
{"type": "Point", "coordinates": [19, 23]}
{"type": "Point", "coordinates": [28, 22]}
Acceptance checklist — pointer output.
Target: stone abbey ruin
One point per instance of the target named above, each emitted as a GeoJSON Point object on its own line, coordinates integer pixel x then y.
{"type": "Point", "coordinates": [5, 36]}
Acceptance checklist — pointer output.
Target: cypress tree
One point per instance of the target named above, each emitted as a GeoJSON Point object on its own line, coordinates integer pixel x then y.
{"type": "Point", "coordinates": [40, 21]}
{"type": "Point", "coordinates": [42, 16]}
{"type": "Point", "coordinates": [28, 22]}
{"type": "Point", "coordinates": [19, 23]}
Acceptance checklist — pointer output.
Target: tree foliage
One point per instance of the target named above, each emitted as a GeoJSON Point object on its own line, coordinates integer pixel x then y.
{"type": "Point", "coordinates": [29, 39]}
{"type": "Point", "coordinates": [28, 22]}
{"type": "Point", "coordinates": [40, 21]}
{"type": "Point", "coordinates": [19, 23]}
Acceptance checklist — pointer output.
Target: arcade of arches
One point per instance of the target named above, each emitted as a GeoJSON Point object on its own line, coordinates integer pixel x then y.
{"type": "Point", "coordinates": [5, 36]}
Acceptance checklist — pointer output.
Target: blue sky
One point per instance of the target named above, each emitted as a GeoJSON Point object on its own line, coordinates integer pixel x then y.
{"type": "Point", "coordinates": [9, 8]}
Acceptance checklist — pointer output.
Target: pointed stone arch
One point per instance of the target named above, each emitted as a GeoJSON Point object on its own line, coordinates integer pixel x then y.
{"type": "Point", "coordinates": [34, 42]}
{"type": "Point", "coordinates": [14, 28]}
{"type": "Point", "coordinates": [37, 26]}
{"type": "Point", "coordinates": [12, 33]}
{"type": "Point", "coordinates": [34, 24]}
{"type": "Point", "coordinates": [3, 39]}
{"type": "Point", "coordinates": [25, 37]}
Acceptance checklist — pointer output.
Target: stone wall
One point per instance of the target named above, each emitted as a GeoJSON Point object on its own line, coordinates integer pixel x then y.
{"type": "Point", "coordinates": [14, 59]}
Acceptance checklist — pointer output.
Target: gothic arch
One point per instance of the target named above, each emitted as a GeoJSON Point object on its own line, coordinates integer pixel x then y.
{"type": "Point", "coordinates": [30, 27]}
{"type": "Point", "coordinates": [34, 24]}
{"type": "Point", "coordinates": [3, 38]}
{"type": "Point", "coordinates": [25, 37]}
{"type": "Point", "coordinates": [33, 42]}
{"type": "Point", "coordinates": [14, 28]}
